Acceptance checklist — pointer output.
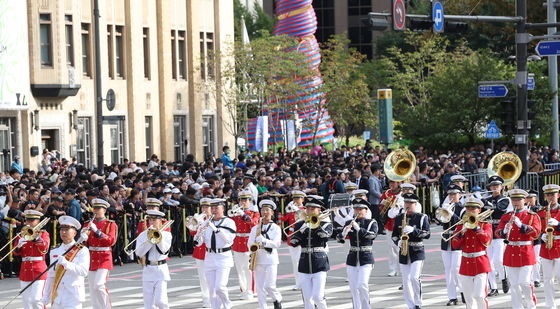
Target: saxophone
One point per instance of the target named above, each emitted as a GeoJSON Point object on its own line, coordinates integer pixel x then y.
{"type": "Point", "coordinates": [404, 237]}
{"type": "Point", "coordinates": [254, 248]}
{"type": "Point", "coordinates": [549, 230]}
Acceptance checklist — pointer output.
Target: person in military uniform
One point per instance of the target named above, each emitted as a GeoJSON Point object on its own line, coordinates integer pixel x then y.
{"type": "Point", "coordinates": [199, 253]}
{"type": "Point", "coordinates": [155, 274]}
{"type": "Point", "coordinates": [417, 228]}
{"type": "Point", "coordinates": [65, 288]}
{"type": "Point", "coordinates": [475, 265]}
{"type": "Point", "coordinates": [103, 236]}
{"type": "Point", "coordinates": [269, 241]}
{"type": "Point", "coordinates": [314, 261]}
{"type": "Point", "coordinates": [457, 180]}
{"type": "Point", "coordinates": [359, 262]}
{"type": "Point", "coordinates": [500, 204]}
{"type": "Point", "coordinates": [394, 192]}
{"type": "Point", "coordinates": [452, 257]}
{"type": "Point", "coordinates": [550, 257]}
{"type": "Point", "coordinates": [32, 253]}
{"type": "Point", "coordinates": [244, 221]}
{"type": "Point", "coordinates": [519, 228]}
{"type": "Point", "coordinates": [533, 204]}
{"type": "Point", "coordinates": [289, 219]}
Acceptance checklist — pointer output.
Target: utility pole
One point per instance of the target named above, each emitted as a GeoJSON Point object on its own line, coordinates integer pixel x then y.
{"type": "Point", "coordinates": [553, 73]}
{"type": "Point", "coordinates": [98, 90]}
{"type": "Point", "coordinates": [521, 40]}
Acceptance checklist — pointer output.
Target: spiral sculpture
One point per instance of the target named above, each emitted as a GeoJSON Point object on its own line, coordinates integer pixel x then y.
{"type": "Point", "coordinates": [296, 18]}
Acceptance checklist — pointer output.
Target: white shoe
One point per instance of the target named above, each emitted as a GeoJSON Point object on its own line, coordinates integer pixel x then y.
{"type": "Point", "coordinates": [246, 296]}
{"type": "Point", "coordinates": [206, 304]}
{"type": "Point", "coordinates": [392, 274]}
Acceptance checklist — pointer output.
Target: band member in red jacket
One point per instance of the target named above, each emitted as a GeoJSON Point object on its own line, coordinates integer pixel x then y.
{"type": "Point", "coordinates": [550, 251]}
{"type": "Point", "coordinates": [518, 229]}
{"type": "Point", "coordinates": [393, 194]}
{"type": "Point", "coordinates": [199, 252]}
{"type": "Point", "coordinates": [475, 265]}
{"type": "Point", "coordinates": [102, 237]}
{"type": "Point", "coordinates": [290, 218]}
{"type": "Point", "coordinates": [32, 254]}
{"type": "Point", "coordinates": [245, 218]}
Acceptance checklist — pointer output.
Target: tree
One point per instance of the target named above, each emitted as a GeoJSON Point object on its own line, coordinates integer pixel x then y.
{"type": "Point", "coordinates": [255, 22]}
{"type": "Point", "coordinates": [345, 89]}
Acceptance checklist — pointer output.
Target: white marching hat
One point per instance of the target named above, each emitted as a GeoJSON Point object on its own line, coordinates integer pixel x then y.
{"type": "Point", "coordinates": [69, 221]}
{"type": "Point", "coordinates": [267, 203]}
{"type": "Point", "coordinates": [155, 213]}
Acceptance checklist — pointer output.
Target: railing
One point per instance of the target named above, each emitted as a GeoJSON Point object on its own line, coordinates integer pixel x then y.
{"type": "Point", "coordinates": [552, 166]}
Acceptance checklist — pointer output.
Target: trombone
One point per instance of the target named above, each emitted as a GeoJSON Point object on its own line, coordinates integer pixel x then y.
{"type": "Point", "coordinates": [470, 221]}
{"type": "Point", "coordinates": [300, 215]}
{"type": "Point", "coordinates": [151, 234]}
{"type": "Point", "coordinates": [28, 233]}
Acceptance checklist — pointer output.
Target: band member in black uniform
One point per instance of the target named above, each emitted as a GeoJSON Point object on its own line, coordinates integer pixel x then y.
{"type": "Point", "coordinates": [359, 263]}
{"type": "Point", "coordinates": [451, 257]}
{"type": "Point", "coordinates": [411, 228]}
{"type": "Point", "coordinates": [313, 262]}
{"type": "Point", "coordinates": [500, 204]}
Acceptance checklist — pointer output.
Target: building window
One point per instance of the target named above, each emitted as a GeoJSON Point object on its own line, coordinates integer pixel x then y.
{"type": "Point", "coordinates": [8, 139]}
{"type": "Point", "coordinates": [180, 137]}
{"type": "Point", "coordinates": [86, 49]}
{"type": "Point", "coordinates": [324, 9]}
{"type": "Point", "coordinates": [206, 55]}
{"type": "Point", "coordinates": [359, 7]}
{"type": "Point", "coordinates": [149, 137]}
{"type": "Point", "coordinates": [181, 60]}
{"type": "Point", "coordinates": [361, 40]}
{"type": "Point", "coordinates": [173, 54]}
{"type": "Point", "coordinates": [69, 31]}
{"type": "Point", "coordinates": [83, 141]}
{"type": "Point", "coordinates": [146, 45]}
{"type": "Point", "coordinates": [208, 135]}
{"type": "Point", "coordinates": [110, 52]}
{"type": "Point", "coordinates": [45, 33]}
{"type": "Point", "coordinates": [119, 50]}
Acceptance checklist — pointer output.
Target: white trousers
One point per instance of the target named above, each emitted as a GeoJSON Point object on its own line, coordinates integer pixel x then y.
{"type": "Point", "coordinates": [155, 294]}
{"type": "Point", "coordinates": [98, 289]}
{"type": "Point", "coordinates": [295, 253]}
{"type": "Point", "coordinates": [475, 289]}
{"type": "Point", "coordinates": [358, 279]}
{"type": "Point", "coordinates": [412, 287]}
{"type": "Point", "coordinates": [537, 267]}
{"type": "Point", "coordinates": [265, 282]}
{"type": "Point", "coordinates": [313, 289]}
{"type": "Point", "coordinates": [551, 269]}
{"type": "Point", "coordinates": [31, 298]}
{"type": "Point", "coordinates": [521, 287]}
{"type": "Point", "coordinates": [451, 263]}
{"type": "Point", "coordinates": [217, 279]}
{"type": "Point", "coordinates": [393, 257]}
{"type": "Point", "coordinates": [496, 256]}
{"type": "Point", "coordinates": [202, 280]}
{"type": "Point", "coordinates": [241, 261]}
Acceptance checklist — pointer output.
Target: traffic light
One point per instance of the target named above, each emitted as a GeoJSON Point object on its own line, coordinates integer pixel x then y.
{"type": "Point", "coordinates": [456, 27]}
{"type": "Point", "coordinates": [373, 23]}
{"type": "Point", "coordinates": [508, 116]}
{"type": "Point", "coordinates": [530, 106]}
{"type": "Point", "coordinates": [420, 24]}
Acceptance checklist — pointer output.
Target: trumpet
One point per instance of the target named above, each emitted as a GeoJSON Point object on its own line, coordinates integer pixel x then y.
{"type": "Point", "coordinates": [444, 213]}
{"type": "Point", "coordinates": [235, 211]}
{"type": "Point", "coordinates": [291, 208]}
{"type": "Point", "coordinates": [469, 221]}
{"type": "Point", "coordinates": [200, 231]}
{"type": "Point", "coordinates": [28, 233]}
{"type": "Point", "coordinates": [193, 222]}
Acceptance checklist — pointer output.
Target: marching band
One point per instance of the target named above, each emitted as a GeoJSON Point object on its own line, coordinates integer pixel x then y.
{"type": "Point", "coordinates": [504, 235]}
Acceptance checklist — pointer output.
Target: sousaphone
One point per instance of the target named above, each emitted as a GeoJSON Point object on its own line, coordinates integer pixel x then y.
{"type": "Point", "coordinates": [399, 165]}
{"type": "Point", "coordinates": [507, 165]}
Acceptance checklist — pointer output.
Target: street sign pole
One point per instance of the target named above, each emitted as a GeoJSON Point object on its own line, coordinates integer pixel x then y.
{"type": "Point", "coordinates": [522, 138]}
{"type": "Point", "coordinates": [98, 90]}
{"type": "Point", "coordinates": [553, 76]}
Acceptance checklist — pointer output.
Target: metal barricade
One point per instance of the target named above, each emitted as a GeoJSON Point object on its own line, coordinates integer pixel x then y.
{"type": "Point", "coordinates": [475, 179]}
{"type": "Point", "coordinates": [529, 181]}
{"type": "Point", "coordinates": [552, 166]}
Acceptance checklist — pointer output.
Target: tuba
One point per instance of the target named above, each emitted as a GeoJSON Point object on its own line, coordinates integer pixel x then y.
{"type": "Point", "coordinates": [507, 165]}
{"type": "Point", "coordinates": [399, 165]}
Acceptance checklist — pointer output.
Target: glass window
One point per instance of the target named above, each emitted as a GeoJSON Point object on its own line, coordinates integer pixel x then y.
{"type": "Point", "coordinates": [119, 51]}
{"type": "Point", "coordinates": [69, 32]}
{"type": "Point", "coordinates": [110, 53]}
{"type": "Point", "coordinates": [173, 54]}
{"type": "Point", "coordinates": [45, 33]}
{"type": "Point", "coordinates": [86, 47]}
{"type": "Point", "coordinates": [146, 49]}
{"type": "Point", "coordinates": [181, 60]}
{"type": "Point", "coordinates": [149, 136]}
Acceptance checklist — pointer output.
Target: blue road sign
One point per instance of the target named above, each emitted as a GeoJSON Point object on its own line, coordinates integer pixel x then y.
{"type": "Point", "coordinates": [531, 82]}
{"type": "Point", "coordinates": [548, 48]}
{"type": "Point", "coordinates": [492, 91]}
{"type": "Point", "coordinates": [493, 131]}
{"type": "Point", "coordinates": [438, 16]}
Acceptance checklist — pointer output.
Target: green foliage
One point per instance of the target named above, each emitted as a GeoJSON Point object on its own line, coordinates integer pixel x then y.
{"type": "Point", "coordinates": [258, 23]}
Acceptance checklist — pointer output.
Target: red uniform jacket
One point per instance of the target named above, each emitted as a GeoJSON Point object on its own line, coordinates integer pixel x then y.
{"type": "Point", "coordinates": [554, 252]}
{"type": "Point", "coordinates": [105, 237]}
{"type": "Point", "coordinates": [244, 227]}
{"type": "Point", "coordinates": [524, 255]}
{"type": "Point", "coordinates": [390, 223]}
{"type": "Point", "coordinates": [199, 252]}
{"type": "Point", "coordinates": [471, 242]}
{"type": "Point", "coordinates": [38, 248]}
{"type": "Point", "coordinates": [143, 225]}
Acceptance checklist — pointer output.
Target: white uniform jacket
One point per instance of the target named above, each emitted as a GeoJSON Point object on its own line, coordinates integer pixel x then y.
{"type": "Point", "coordinates": [224, 239]}
{"type": "Point", "coordinates": [272, 238]}
{"type": "Point", "coordinates": [154, 253]}
{"type": "Point", "coordinates": [71, 289]}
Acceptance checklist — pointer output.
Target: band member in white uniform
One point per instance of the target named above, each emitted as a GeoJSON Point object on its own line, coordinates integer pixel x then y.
{"type": "Point", "coordinates": [289, 219]}
{"type": "Point", "coordinates": [156, 273]}
{"type": "Point", "coordinates": [199, 252]}
{"type": "Point", "coordinates": [218, 262]}
{"type": "Point", "coordinates": [268, 238]}
{"type": "Point", "coordinates": [65, 287]}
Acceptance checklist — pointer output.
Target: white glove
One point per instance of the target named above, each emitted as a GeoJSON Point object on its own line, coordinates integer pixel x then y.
{"type": "Point", "coordinates": [507, 228]}
{"type": "Point", "coordinates": [517, 221]}
{"type": "Point", "coordinates": [303, 228]}
{"type": "Point", "coordinates": [356, 226]}
{"type": "Point", "coordinates": [21, 242]}
{"type": "Point", "coordinates": [408, 229]}
{"type": "Point", "coordinates": [259, 239]}
{"type": "Point", "coordinates": [93, 227]}
{"type": "Point", "coordinates": [399, 243]}
{"type": "Point", "coordinates": [83, 238]}
{"type": "Point", "coordinates": [544, 237]}
{"type": "Point", "coordinates": [212, 226]}
{"type": "Point", "coordinates": [62, 260]}
{"type": "Point", "coordinates": [393, 212]}
{"type": "Point", "coordinates": [552, 222]}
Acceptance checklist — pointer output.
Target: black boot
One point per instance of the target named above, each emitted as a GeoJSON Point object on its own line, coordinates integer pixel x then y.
{"type": "Point", "coordinates": [452, 302]}
{"type": "Point", "coordinates": [400, 288]}
{"type": "Point", "coordinates": [537, 284]}
{"type": "Point", "coordinates": [417, 307]}
{"type": "Point", "coordinates": [463, 298]}
{"type": "Point", "coordinates": [277, 305]}
{"type": "Point", "coordinates": [505, 286]}
{"type": "Point", "coordinates": [493, 292]}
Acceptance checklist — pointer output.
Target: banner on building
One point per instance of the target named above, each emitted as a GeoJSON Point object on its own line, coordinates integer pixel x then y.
{"type": "Point", "coordinates": [14, 55]}
{"type": "Point", "coordinates": [261, 137]}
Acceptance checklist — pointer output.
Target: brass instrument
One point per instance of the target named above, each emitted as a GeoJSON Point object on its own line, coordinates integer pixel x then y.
{"type": "Point", "coordinates": [549, 230]}
{"type": "Point", "coordinates": [404, 237]}
{"type": "Point", "coordinates": [237, 210]}
{"type": "Point", "coordinates": [193, 222]}
{"type": "Point", "coordinates": [507, 165]}
{"type": "Point", "coordinates": [300, 216]}
{"type": "Point", "coordinates": [399, 165]}
{"type": "Point", "coordinates": [198, 237]}
{"type": "Point", "coordinates": [444, 214]}
{"type": "Point", "coordinates": [153, 234]}
{"type": "Point", "coordinates": [469, 221]}
{"type": "Point", "coordinates": [388, 204]}
{"type": "Point", "coordinates": [28, 233]}
{"type": "Point", "coordinates": [314, 221]}
{"type": "Point", "coordinates": [254, 248]}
